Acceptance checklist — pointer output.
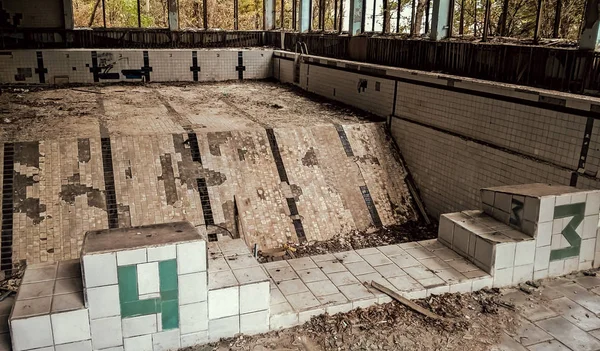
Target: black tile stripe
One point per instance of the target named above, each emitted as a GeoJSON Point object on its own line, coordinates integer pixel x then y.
{"type": "Point", "coordinates": [240, 68]}
{"type": "Point", "coordinates": [344, 140]}
{"type": "Point", "coordinates": [40, 70]}
{"type": "Point", "coordinates": [146, 69]}
{"type": "Point", "coordinates": [585, 146]}
{"type": "Point", "coordinates": [292, 206]}
{"type": "Point", "coordinates": [277, 155]}
{"type": "Point", "coordinates": [95, 69]}
{"type": "Point", "coordinates": [370, 205]}
{"type": "Point", "coordinates": [205, 201]}
{"type": "Point", "coordinates": [6, 236]}
{"type": "Point", "coordinates": [544, 104]}
{"type": "Point", "coordinates": [109, 184]}
{"type": "Point", "coordinates": [194, 148]}
{"type": "Point", "coordinates": [298, 227]}
{"type": "Point", "coordinates": [195, 68]}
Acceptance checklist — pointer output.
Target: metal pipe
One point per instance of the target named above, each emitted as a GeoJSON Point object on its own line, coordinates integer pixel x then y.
{"type": "Point", "coordinates": [451, 18]}
{"type": "Point", "coordinates": [475, 20]}
{"type": "Point", "coordinates": [335, 14]}
{"type": "Point", "coordinates": [341, 28]}
{"type": "Point", "coordinates": [363, 17]}
{"type": "Point", "coordinates": [294, 14]}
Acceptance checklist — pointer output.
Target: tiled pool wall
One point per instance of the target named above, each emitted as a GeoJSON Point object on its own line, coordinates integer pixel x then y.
{"type": "Point", "coordinates": [459, 135]}
{"type": "Point", "coordinates": [62, 66]}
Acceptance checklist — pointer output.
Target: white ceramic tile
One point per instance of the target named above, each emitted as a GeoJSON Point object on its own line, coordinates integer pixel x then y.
{"type": "Point", "coordinates": [446, 230]}
{"type": "Point", "coordinates": [254, 323]}
{"type": "Point", "coordinates": [192, 288]}
{"type": "Point", "coordinates": [521, 274]}
{"type": "Point", "coordinates": [103, 301]}
{"type": "Point", "coordinates": [547, 208]}
{"type": "Point", "coordinates": [525, 253]}
{"type": "Point", "coordinates": [542, 258]}
{"type": "Point", "coordinates": [193, 318]}
{"type": "Point", "coordinates": [590, 227]}
{"type": "Point", "coordinates": [592, 205]}
{"type": "Point", "coordinates": [503, 277]}
{"type": "Point", "coordinates": [531, 209]}
{"type": "Point", "coordinates": [85, 345]}
{"type": "Point", "coordinates": [162, 253]}
{"type": "Point", "coordinates": [166, 340]}
{"type": "Point", "coordinates": [106, 332]}
{"type": "Point", "coordinates": [505, 255]}
{"type": "Point", "coordinates": [138, 343]}
{"type": "Point", "coordinates": [129, 257]}
{"type": "Point", "coordinates": [100, 270]}
{"type": "Point", "coordinates": [148, 278]}
{"type": "Point", "coordinates": [587, 250]}
{"type": "Point", "coordinates": [223, 302]}
{"type": "Point", "coordinates": [193, 339]}
{"type": "Point", "coordinates": [70, 326]}
{"type": "Point", "coordinates": [223, 328]}
{"type": "Point", "coordinates": [543, 234]}
{"type": "Point", "coordinates": [191, 257]}
{"type": "Point", "coordinates": [31, 333]}
{"type": "Point", "coordinates": [254, 297]}
{"type": "Point", "coordinates": [135, 326]}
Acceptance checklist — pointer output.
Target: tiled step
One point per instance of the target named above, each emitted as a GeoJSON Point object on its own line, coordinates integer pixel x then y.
{"type": "Point", "coordinates": [333, 283]}
{"type": "Point", "coordinates": [504, 252]}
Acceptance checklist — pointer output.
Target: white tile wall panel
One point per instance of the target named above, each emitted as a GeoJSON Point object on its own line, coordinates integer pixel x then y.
{"type": "Point", "coordinates": [450, 171]}
{"type": "Point", "coordinates": [168, 65]}
{"type": "Point", "coordinates": [343, 86]}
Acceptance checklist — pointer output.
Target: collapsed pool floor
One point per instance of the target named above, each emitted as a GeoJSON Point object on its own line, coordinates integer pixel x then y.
{"type": "Point", "coordinates": [79, 112]}
{"type": "Point", "coordinates": [256, 159]}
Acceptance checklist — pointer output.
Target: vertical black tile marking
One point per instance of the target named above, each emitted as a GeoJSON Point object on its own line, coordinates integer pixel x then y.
{"type": "Point", "coordinates": [240, 68]}
{"type": "Point", "coordinates": [205, 201]}
{"type": "Point", "coordinates": [195, 68]}
{"type": "Point", "coordinates": [6, 236]}
{"type": "Point", "coordinates": [40, 70]}
{"type": "Point", "coordinates": [585, 146]}
{"type": "Point", "coordinates": [277, 155]}
{"type": "Point", "coordinates": [299, 228]}
{"type": "Point", "coordinates": [146, 69]}
{"type": "Point", "coordinates": [109, 184]}
{"type": "Point", "coordinates": [344, 140]}
{"type": "Point", "coordinates": [395, 98]}
{"type": "Point", "coordinates": [95, 69]}
{"type": "Point", "coordinates": [291, 202]}
{"type": "Point", "coordinates": [194, 148]}
{"type": "Point", "coordinates": [292, 206]}
{"type": "Point", "coordinates": [363, 188]}
{"type": "Point", "coordinates": [370, 205]}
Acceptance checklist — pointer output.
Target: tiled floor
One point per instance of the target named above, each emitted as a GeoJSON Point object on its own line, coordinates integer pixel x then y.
{"type": "Point", "coordinates": [333, 283]}
{"type": "Point", "coordinates": [561, 315]}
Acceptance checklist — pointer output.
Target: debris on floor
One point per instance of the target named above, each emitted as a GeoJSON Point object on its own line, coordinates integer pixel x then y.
{"type": "Point", "coordinates": [392, 326]}
{"type": "Point", "coordinates": [407, 232]}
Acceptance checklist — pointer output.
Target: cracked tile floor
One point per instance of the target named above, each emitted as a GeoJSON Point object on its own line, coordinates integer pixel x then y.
{"type": "Point", "coordinates": [563, 314]}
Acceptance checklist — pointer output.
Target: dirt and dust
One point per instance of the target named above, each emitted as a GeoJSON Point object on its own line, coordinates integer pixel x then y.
{"type": "Point", "coordinates": [36, 113]}
{"type": "Point", "coordinates": [398, 234]}
{"type": "Point", "coordinates": [473, 322]}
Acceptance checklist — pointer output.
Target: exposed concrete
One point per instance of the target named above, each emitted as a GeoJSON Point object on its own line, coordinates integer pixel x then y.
{"type": "Point", "coordinates": [590, 34]}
